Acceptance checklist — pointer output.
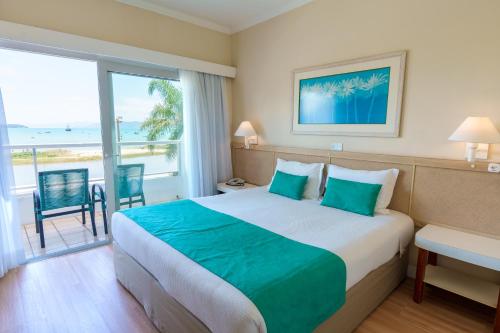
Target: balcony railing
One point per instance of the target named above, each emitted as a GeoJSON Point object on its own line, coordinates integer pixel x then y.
{"type": "Point", "coordinates": [155, 160]}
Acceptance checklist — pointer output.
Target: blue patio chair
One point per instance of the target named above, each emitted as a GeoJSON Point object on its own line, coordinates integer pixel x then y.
{"type": "Point", "coordinates": [62, 189]}
{"type": "Point", "coordinates": [130, 179]}
{"type": "Point", "coordinates": [130, 182]}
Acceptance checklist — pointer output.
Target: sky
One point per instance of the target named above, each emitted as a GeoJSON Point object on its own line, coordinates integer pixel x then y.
{"type": "Point", "coordinates": [48, 91]}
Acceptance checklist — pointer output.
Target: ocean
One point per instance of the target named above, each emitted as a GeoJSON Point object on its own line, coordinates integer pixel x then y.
{"type": "Point", "coordinates": [27, 136]}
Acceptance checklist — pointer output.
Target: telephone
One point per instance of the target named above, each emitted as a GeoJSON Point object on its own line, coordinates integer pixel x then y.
{"type": "Point", "coordinates": [235, 182]}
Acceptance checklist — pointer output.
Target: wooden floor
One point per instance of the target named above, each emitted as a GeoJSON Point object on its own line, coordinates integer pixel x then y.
{"type": "Point", "coordinates": [79, 293]}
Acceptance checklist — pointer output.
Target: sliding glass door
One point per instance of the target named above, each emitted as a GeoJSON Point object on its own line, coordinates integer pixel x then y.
{"type": "Point", "coordinates": [123, 127]}
{"type": "Point", "coordinates": [141, 112]}
{"type": "Point", "coordinates": [52, 109]}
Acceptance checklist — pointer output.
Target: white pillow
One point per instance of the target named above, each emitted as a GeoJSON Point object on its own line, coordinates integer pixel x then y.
{"type": "Point", "coordinates": [314, 171]}
{"type": "Point", "coordinates": [386, 178]}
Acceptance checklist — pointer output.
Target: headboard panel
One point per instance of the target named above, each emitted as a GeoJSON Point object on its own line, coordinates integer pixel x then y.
{"type": "Point", "coordinates": [468, 200]}
{"type": "Point", "coordinates": [438, 191]}
{"type": "Point", "coordinates": [256, 167]}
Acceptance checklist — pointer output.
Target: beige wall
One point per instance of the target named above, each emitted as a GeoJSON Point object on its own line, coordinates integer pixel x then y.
{"type": "Point", "coordinates": [453, 67]}
{"type": "Point", "coordinates": [112, 21]}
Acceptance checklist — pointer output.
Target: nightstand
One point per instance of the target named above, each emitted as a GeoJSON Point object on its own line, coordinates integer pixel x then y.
{"type": "Point", "coordinates": [478, 250]}
{"type": "Point", "coordinates": [224, 188]}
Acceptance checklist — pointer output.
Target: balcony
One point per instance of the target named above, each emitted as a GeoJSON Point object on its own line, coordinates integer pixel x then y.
{"type": "Point", "coordinates": [162, 182]}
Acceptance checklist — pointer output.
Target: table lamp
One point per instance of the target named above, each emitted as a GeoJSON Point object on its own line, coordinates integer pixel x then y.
{"type": "Point", "coordinates": [246, 129]}
{"type": "Point", "coordinates": [475, 131]}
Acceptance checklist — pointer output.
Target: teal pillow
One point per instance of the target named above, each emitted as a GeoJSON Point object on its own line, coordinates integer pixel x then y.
{"type": "Point", "coordinates": [288, 185]}
{"type": "Point", "coordinates": [351, 196]}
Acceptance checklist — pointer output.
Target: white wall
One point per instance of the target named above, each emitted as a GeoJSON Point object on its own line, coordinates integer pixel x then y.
{"type": "Point", "coordinates": [112, 21]}
{"type": "Point", "coordinates": [452, 72]}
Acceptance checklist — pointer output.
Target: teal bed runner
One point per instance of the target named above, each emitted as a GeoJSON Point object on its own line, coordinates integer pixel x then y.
{"type": "Point", "coordinates": [295, 286]}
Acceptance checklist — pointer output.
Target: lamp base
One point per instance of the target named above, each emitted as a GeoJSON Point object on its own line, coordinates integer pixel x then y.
{"type": "Point", "coordinates": [250, 140]}
{"type": "Point", "coordinates": [476, 151]}
{"type": "Point", "coordinates": [471, 154]}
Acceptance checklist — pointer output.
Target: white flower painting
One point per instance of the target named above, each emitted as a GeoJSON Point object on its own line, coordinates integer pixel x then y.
{"type": "Point", "coordinates": [348, 98]}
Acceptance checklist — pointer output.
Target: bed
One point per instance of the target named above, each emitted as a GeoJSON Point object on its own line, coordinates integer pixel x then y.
{"type": "Point", "coordinates": [181, 296]}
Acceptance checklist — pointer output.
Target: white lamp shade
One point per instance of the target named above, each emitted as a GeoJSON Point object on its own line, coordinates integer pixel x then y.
{"type": "Point", "coordinates": [245, 129]}
{"type": "Point", "coordinates": [476, 130]}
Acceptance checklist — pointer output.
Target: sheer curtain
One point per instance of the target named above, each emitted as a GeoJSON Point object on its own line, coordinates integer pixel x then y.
{"type": "Point", "coordinates": [11, 245]}
{"type": "Point", "coordinates": [207, 153]}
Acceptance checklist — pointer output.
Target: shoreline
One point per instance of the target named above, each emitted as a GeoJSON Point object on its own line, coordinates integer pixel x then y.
{"type": "Point", "coordinates": [68, 156]}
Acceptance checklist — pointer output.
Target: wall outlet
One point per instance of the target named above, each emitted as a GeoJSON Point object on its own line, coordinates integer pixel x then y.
{"type": "Point", "coordinates": [337, 146]}
{"type": "Point", "coordinates": [494, 167]}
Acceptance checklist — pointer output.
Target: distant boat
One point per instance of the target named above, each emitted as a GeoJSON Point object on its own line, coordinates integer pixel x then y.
{"type": "Point", "coordinates": [68, 129]}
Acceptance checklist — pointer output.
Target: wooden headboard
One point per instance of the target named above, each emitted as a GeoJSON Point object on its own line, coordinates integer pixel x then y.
{"type": "Point", "coordinates": [437, 191]}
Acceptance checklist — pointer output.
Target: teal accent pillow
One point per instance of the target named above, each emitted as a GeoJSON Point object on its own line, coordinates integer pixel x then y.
{"type": "Point", "coordinates": [351, 196]}
{"type": "Point", "coordinates": [288, 185]}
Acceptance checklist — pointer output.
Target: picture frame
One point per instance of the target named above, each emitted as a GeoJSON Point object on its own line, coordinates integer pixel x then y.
{"type": "Point", "coordinates": [360, 97]}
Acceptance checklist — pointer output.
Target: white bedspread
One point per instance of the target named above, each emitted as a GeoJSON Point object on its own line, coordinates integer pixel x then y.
{"type": "Point", "coordinates": [364, 243]}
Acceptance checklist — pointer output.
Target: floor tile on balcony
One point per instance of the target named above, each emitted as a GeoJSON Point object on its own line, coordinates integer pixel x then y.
{"type": "Point", "coordinates": [69, 220]}
{"type": "Point", "coordinates": [79, 237]}
{"type": "Point", "coordinates": [28, 251]}
{"type": "Point", "coordinates": [50, 244]}
{"type": "Point", "coordinates": [50, 247]}
{"type": "Point", "coordinates": [79, 218]}
{"type": "Point", "coordinates": [65, 218]}
{"type": "Point", "coordinates": [29, 227]}
{"type": "Point", "coordinates": [52, 238]}
{"type": "Point", "coordinates": [76, 243]}
{"type": "Point", "coordinates": [62, 233]}
{"type": "Point", "coordinates": [48, 234]}
{"type": "Point", "coordinates": [68, 228]}
{"type": "Point", "coordinates": [100, 232]}
{"type": "Point", "coordinates": [99, 228]}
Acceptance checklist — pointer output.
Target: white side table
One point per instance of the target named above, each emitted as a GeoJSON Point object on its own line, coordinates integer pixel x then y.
{"type": "Point", "coordinates": [478, 250]}
{"type": "Point", "coordinates": [224, 188]}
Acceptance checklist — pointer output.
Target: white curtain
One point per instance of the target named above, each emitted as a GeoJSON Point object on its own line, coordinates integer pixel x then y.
{"type": "Point", "coordinates": [207, 139]}
{"type": "Point", "coordinates": [11, 244]}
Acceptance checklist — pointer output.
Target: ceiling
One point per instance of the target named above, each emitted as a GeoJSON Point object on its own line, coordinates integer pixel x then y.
{"type": "Point", "coordinates": [226, 16]}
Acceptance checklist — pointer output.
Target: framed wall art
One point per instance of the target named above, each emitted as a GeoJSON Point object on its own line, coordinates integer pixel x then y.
{"type": "Point", "coordinates": [358, 98]}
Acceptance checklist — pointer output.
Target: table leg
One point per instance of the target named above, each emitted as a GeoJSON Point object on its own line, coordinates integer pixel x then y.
{"type": "Point", "coordinates": [433, 258]}
{"type": "Point", "coordinates": [496, 328]}
{"type": "Point", "coordinates": [418, 292]}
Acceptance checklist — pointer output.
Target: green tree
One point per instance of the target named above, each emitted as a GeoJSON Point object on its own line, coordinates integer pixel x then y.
{"type": "Point", "coordinates": [166, 117]}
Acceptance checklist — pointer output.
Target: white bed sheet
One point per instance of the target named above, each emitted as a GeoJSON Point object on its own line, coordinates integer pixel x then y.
{"type": "Point", "coordinates": [364, 243]}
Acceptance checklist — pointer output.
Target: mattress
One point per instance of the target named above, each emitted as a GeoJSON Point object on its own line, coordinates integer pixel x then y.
{"type": "Point", "coordinates": [364, 243]}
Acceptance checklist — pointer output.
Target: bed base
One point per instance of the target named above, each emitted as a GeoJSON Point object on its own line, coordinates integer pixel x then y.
{"type": "Point", "coordinates": [168, 315]}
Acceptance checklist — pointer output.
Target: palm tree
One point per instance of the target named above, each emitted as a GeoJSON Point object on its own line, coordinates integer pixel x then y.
{"type": "Point", "coordinates": [331, 89]}
{"type": "Point", "coordinates": [357, 83]}
{"type": "Point", "coordinates": [346, 90]}
{"type": "Point", "coordinates": [166, 116]}
{"type": "Point", "coordinates": [373, 82]}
